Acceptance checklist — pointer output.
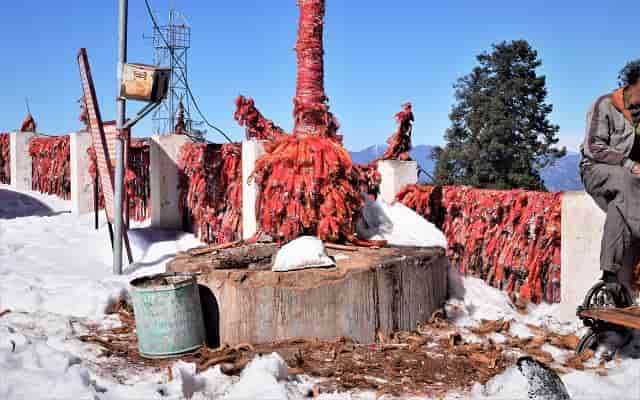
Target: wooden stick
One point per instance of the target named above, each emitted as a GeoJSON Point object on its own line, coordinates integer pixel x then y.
{"type": "Point", "coordinates": [335, 246]}
{"type": "Point", "coordinates": [217, 360]}
{"type": "Point", "coordinates": [627, 317]}
{"type": "Point", "coordinates": [208, 249]}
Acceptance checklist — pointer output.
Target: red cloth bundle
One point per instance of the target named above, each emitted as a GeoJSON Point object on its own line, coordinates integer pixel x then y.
{"type": "Point", "coordinates": [255, 124]}
{"type": "Point", "coordinates": [50, 165]}
{"type": "Point", "coordinates": [28, 124]}
{"type": "Point", "coordinates": [211, 190]}
{"type": "Point", "coordinates": [400, 142]}
{"type": "Point", "coordinates": [308, 185]}
{"type": "Point", "coordinates": [136, 180]}
{"type": "Point", "coordinates": [5, 160]}
{"type": "Point", "coordinates": [511, 239]}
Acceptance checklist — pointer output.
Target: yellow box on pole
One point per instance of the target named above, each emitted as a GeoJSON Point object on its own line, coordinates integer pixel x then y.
{"type": "Point", "coordinates": [144, 82]}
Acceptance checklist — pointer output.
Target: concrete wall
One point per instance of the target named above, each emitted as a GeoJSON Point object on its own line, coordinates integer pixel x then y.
{"type": "Point", "coordinates": [20, 160]}
{"type": "Point", "coordinates": [81, 181]}
{"type": "Point", "coordinates": [582, 225]}
{"type": "Point", "coordinates": [164, 176]}
{"type": "Point", "coordinates": [251, 151]}
{"type": "Point", "coordinates": [396, 174]}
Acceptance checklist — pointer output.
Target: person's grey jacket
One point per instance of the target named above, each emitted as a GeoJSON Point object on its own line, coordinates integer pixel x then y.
{"type": "Point", "coordinates": [609, 136]}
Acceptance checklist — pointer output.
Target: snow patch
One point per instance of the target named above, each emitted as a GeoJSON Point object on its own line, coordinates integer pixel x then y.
{"type": "Point", "coordinates": [37, 371]}
{"type": "Point", "coordinates": [398, 225]}
{"type": "Point", "coordinates": [262, 378]}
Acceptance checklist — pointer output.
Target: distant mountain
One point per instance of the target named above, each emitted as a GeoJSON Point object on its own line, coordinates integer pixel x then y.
{"type": "Point", "coordinates": [563, 175]}
{"type": "Point", "coordinates": [420, 153]}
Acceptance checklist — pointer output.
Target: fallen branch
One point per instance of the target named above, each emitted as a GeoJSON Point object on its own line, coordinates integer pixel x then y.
{"type": "Point", "coordinates": [210, 249]}
{"type": "Point", "coordinates": [218, 360]}
{"type": "Point", "coordinates": [342, 247]}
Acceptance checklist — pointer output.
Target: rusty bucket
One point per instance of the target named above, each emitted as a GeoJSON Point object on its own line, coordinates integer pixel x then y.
{"type": "Point", "coordinates": [168, 314]}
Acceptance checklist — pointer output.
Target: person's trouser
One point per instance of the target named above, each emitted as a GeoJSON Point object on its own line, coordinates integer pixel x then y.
{"type": "Point", "coordinates": [616, 191]}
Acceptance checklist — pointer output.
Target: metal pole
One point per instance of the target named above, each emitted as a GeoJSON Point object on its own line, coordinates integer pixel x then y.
{"type": "Point", "coordinates": [121, 109]}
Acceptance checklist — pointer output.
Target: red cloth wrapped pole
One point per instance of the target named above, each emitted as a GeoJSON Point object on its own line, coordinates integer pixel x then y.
{"type": "Point", "coordinates": [308, 183]}
{"type": "Point", "coordinates": [310, 110]}
{"type": "Point", "coordinates": [5, 160]}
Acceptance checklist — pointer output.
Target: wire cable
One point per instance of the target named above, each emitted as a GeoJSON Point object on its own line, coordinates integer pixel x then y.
{"type": "Point", "coordinates": [184, 79]}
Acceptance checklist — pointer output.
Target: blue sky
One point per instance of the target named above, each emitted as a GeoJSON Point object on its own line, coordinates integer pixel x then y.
{"type": "Point", "coordinates": [378, 55]}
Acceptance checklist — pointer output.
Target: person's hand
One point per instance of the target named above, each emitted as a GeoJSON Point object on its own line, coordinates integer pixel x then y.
{"type": "Point", "coordinates": [636, 169]}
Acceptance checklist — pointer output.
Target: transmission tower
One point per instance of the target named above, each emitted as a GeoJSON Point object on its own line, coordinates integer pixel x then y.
{"type": "Point", "coordinates": [171, 43]}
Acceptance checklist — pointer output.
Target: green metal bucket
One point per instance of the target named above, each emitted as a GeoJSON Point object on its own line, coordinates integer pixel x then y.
{"type": "Point", "coordinates": [168, 314]}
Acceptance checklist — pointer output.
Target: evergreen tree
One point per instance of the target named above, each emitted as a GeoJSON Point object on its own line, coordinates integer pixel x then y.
{"type": "Point", "coordinates": [500, 135]}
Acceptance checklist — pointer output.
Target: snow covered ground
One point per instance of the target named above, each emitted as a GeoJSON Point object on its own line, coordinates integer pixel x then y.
{"type": "Point", "coordinates": [55, 271]}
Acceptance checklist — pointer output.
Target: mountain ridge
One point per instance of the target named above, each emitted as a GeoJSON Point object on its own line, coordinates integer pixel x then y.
{"type": "Point", "coordinates": [563, 175]}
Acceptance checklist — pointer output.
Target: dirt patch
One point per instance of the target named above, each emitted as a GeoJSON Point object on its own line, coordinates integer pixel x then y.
{"type": "Point", "coordinates": [432, 360]}
{"type": "Point", "coordinates": [423, 362]}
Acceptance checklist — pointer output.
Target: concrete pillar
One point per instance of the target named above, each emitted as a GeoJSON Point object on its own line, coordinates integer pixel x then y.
{"type": "Point", "coordinates": [81, 180]}
{"type": "Point", "coordinates": [251, 151]}
{"type": "Point", "coordinates": [20, 160]}
{"type": "Point", "coordinates": [164, 176]}
{"type": "Point", "coordinates": [582, 225]}
{"type": "Point", "coordinates": [396, 174]}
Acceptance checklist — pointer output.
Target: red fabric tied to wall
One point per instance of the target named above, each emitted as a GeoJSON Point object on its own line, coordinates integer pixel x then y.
{"type": "Point", "coordinates": [51, 165]}
{"type": "Point", "coordinates": [137, 181]}
{"type": "Point", "coordinates": [5, 159]}
{"type": "Point", "coordinates": [511, 239]}
{"type": "Point", "coordinates": [211, 190]}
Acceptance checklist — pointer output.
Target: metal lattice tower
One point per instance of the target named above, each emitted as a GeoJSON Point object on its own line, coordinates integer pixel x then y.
{"type": "Point", "coordinates": [174, 54]}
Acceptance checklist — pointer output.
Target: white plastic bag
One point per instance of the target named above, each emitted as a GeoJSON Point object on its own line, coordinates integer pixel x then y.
{"type": "Point", "coordinates": [398, 225]}
{"type": "Point", "coordinates": [304, 252]}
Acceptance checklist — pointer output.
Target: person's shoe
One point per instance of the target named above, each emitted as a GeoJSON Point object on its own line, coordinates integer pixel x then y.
{"type": "Point", "coordinates": [612, 293]}
{"type": "Point", "coordinates": [609, 277]}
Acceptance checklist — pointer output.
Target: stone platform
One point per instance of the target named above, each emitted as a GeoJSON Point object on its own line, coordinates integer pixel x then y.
{"type": "Point", "coordinates": [385, 289]}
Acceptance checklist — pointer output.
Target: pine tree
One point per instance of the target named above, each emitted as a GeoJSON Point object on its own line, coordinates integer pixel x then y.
{"type": "Point", "coordinates": [500, 135]}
